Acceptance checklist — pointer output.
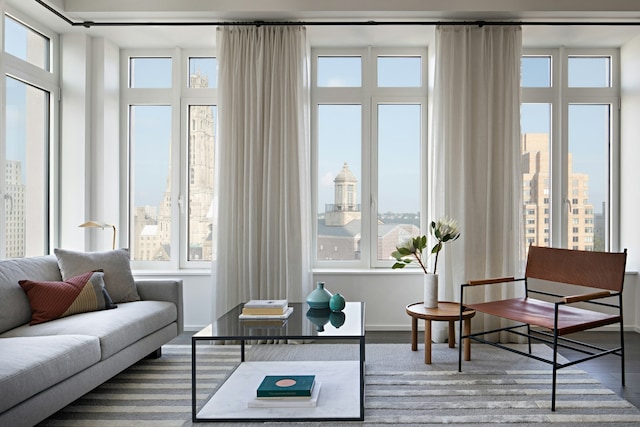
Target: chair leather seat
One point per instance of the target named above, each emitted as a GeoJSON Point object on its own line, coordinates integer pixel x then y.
{"type": "Point", "coordinates": [541, 313]}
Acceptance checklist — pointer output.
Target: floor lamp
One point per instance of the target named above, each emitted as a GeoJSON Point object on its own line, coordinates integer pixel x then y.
{"type": "Point", "coordinates": [102, 225]}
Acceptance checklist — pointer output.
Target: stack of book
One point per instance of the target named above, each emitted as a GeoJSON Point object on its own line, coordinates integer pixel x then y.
{"type": "Point", "coordinates": [287, 391]}
{"type": "Point", "coordinates": [266, 309]}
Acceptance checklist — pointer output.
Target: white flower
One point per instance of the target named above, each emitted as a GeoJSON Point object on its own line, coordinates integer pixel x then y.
{"type": "Point", "coordinates": [407, 244]}
{"type": "Point", "coordinates": [444, 230]}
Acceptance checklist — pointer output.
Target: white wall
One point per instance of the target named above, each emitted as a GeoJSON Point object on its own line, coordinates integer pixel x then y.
{"type": "Point", "coordinates": [630, 151]}
{"type": "Point", "coordinates": [386, 294]}
{"type": "Point", "coordinates": [197, 286]}
{"type": "Point", "coordinates": [75, 129]}
{"type": "Point", "coordinates": [89, 143]}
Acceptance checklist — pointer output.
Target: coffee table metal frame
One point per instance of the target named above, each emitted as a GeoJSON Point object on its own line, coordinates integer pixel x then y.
{"type": "Point", "coordinates": [297, 327]}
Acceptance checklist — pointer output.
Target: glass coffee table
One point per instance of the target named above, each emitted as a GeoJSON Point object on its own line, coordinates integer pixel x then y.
{"type": "Point", "coordinates": [341, 396]}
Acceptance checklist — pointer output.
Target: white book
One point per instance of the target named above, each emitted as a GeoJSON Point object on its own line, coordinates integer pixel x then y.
{"type": "Point", "coordinates": [293, 402]}
{"type": "Point", "coordinates": [266, 303]}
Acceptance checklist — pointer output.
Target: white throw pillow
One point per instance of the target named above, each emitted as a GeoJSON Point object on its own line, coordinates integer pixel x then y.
{"type": "Point", "coordinates": [118, 279]}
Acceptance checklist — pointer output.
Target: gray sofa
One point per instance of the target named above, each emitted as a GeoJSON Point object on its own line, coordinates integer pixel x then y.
{"type": "Point", "coordinates": [46, 366]}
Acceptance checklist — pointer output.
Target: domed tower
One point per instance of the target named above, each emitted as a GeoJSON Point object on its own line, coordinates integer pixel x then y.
{"type": "Point", "coordinates": [345, 208]}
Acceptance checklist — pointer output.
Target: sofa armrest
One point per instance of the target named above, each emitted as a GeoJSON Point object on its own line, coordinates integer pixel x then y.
{"type": "Point", "coordinates": [169, 290]}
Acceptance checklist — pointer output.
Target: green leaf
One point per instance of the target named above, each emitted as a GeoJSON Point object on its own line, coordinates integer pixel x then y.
{"type": "Point", "coordinates": [437, 248]}
{"type": "Point", "coordinates": [404, 251]}
{"type": "Point", "coordinates": [398, 265]}
{"type": "Point", "coordinates": [416, 242]}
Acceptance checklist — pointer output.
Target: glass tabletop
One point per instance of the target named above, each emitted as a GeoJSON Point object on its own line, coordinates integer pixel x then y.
{"type": "Point", "coordinates": [303, 323]}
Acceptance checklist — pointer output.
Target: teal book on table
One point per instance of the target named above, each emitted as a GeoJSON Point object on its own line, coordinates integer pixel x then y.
{"type": "Point", "coordinates": [286, 386]}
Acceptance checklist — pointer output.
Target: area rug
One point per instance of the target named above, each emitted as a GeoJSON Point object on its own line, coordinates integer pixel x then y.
{"type": "Point", "coordinates": [495, 388]}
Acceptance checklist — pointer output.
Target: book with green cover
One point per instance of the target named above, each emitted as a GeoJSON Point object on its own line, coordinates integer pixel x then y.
{"type": "Point", "coordinates": [286, 385]}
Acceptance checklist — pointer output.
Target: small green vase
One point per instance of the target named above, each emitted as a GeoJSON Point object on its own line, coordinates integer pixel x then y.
{"type": "Point", "coordinates": [319, 298]}
{"type": "Point", "coordinates": [336, 303]}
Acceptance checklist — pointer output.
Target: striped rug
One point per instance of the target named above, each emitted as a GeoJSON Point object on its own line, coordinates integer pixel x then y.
{"type": "Point", "coordinates": [495, 388]}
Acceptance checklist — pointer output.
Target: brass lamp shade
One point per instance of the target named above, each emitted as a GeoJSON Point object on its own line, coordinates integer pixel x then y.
{"type": "Point", "coordinates": [102, 225]}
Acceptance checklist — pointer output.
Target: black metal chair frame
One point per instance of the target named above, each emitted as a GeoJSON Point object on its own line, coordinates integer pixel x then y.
{"type": "Point", "coordinates": [549, 331]}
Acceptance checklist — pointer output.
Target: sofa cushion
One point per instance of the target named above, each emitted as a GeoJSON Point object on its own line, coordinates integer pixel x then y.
{"type": "Point", "coordinates": [116, 329]}
{"type": "Point", "coordinates": [51, 300]}
{"type": "Point", "coordinates": [29, 365]}
{"type": "Point", "coordinates": [14, 304]}
{"type": "Point", "coordinates": [118, 279]}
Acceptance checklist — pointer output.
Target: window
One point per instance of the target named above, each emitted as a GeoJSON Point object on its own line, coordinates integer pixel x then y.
{"type": "Point", "coordinates": [369, 135]}
{"type": "Point", "coordinates": [150, 142]}
{"type": "Point", "coordinates": [26, 43]}
{"type": "Point", "coordinates": [171, 139]}
{"type": "Point", "coordinates": [569, 137]}
{"type": "Point", "coordinates": [200, 189]}
{"type": "Point", "coordinates": [26, 139]}
{"type": "Point", "coordinates": [147, 72]}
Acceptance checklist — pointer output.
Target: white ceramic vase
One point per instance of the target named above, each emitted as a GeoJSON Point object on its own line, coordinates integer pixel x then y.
{"type": "Point", "coordinates": [431, 290]}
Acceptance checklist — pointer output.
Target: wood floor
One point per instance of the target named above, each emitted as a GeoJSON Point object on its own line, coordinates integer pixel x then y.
{"type": "Point", "coordinates": [605, 369]}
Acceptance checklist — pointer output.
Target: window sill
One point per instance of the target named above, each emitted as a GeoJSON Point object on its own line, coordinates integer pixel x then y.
{"type": "Point", "coordinates": [164, 273]}
{"type": "Point", "coordinates": [365, 271]}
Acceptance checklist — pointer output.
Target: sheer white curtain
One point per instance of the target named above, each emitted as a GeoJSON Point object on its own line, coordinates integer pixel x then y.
{"type": "Point", "coordinates": [477, 154]}
{"type": "Point", "coordinates": [263, 232]}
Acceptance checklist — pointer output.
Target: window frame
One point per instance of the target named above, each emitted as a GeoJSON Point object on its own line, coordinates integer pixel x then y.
{"type": "Point", "coordinates": [560, 96]}
{"type": "Point", "coordinates": [368, 96]}
{"type": "Point", "coordinates": [179, 97]}
{"type": "Point", "coordinates": [47, 81]}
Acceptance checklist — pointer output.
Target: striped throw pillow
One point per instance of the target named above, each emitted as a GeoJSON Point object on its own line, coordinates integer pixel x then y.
{"type": "Point", "coordinates": [78, 294]}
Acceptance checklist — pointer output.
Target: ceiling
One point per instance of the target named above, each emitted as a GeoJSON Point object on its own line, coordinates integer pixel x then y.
{"type": "Point", "coordinates": [211, 11]}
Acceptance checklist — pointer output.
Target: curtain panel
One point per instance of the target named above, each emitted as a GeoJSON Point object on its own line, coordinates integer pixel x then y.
{"type": "Point", "coordinates": [477, 154]}
{"type": "Point", "coordinates": [263, 178]}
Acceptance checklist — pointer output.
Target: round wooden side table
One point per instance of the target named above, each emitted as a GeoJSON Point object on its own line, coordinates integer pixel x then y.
{"type": "Point", "coordinates": [446, 311]}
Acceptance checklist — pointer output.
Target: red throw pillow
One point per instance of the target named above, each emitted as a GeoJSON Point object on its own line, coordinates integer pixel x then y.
{"type": "Point", "coordinates": [79, 294]}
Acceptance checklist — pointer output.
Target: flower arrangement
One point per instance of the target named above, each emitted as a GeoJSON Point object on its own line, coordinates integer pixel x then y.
{"type": "Point", "coordinates": [444, 230]}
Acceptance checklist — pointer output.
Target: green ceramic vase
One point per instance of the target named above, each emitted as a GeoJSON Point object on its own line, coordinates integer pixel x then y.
{"type": "Point", "coordinates": [336, 303]}
{"type": "Point", "coordinates": [319, 298]}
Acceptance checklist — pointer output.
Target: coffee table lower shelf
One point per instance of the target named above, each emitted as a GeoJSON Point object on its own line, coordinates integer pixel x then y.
{"type": "Point", "coordinates": [341, 397]}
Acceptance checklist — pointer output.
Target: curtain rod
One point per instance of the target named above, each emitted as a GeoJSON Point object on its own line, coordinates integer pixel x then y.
{"type": "Point", "coordinates": [258, 23]}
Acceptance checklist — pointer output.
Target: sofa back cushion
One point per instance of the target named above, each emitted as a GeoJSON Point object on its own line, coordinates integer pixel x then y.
{"type": "Point", "coordinates": [14, 304]}
{"type": "Point", "coordinates": [116, 265]}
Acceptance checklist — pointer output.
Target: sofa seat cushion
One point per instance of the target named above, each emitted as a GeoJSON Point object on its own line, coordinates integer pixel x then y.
{"type": "Point", "coordinates": [29, 365]}
{"type": "Point", "coordinates": [116, 329]}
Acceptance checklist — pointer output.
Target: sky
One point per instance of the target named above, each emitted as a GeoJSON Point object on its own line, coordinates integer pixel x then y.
{"type": "Point", "coordinates": [151, 126]}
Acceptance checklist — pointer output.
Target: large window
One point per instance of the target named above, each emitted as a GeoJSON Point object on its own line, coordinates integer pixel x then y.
{"type": "Point", "coordinates": [172, 115]}
{"type": "Point", "coordinates": [369, 127]}
{"type": "Point", "coordinates": [26, 139]}
{"type": "Point", "coordinates": [570, 148]}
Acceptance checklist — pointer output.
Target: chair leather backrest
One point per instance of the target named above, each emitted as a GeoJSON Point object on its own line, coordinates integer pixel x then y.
{"type": "Point", "coordinates": [603, 270]}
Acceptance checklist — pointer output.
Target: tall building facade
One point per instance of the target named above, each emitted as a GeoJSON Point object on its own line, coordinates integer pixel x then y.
{"type": "Point", "coordinates": [536, 196]}
{"type": "Point", "coordinates": [15, 189]}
